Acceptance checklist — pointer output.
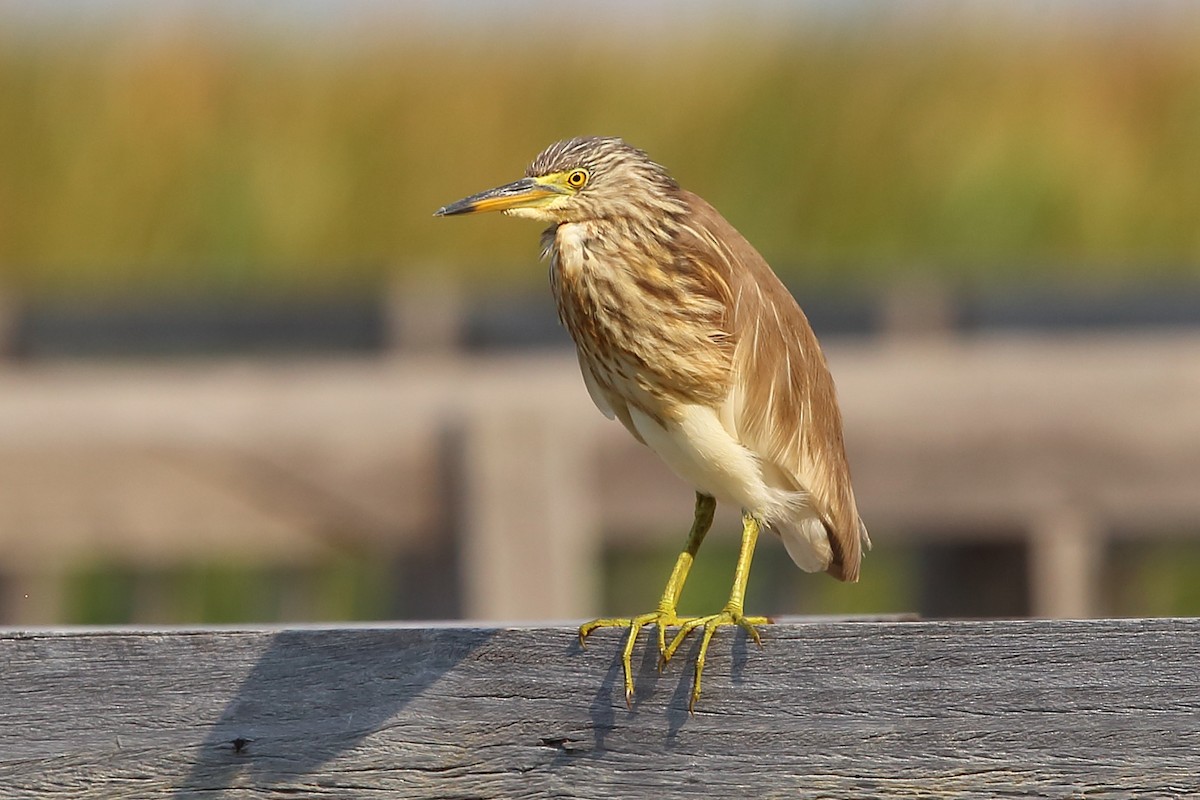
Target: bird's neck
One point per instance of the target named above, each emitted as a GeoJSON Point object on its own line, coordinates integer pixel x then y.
{"type": "Point", "coordinates": [634, 309]}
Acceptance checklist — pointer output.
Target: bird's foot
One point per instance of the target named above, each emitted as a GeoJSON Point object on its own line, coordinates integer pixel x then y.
{"type": "Point", "coordinates": [730, 615]}
{"type": "Point", "coordinates": [662, 619]}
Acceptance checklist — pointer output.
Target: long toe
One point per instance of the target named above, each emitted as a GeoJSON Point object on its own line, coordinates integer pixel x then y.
{"type": "Point", "coordinates": [661, 618]}
{"type": "Point", "coordinates": [725, 618]}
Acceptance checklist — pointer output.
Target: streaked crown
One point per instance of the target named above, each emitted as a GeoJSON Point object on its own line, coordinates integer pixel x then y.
{"type": "Point", "coordinates": [610, 178]}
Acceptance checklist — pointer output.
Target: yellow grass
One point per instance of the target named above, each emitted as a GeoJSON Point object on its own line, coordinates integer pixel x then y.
{"type": "Point", "coordinates": [197, 158]}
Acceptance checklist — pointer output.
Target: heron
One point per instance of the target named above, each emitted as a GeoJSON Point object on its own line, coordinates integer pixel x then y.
{"type": "Point", "coordinates": [687, 337]}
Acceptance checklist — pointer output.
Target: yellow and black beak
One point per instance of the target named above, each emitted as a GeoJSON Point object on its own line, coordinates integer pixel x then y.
{"type": "Point", "coordinates": [525, 193]}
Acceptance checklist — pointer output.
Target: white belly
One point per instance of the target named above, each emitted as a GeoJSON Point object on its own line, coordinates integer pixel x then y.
{"type": "Point", "coordinates": [699, 449]}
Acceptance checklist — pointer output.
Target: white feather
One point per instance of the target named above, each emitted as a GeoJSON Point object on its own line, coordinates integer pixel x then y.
{"type": "Point", "coordinates": [807, 542]}
{"type": "Point", "coordinates": [595, 392]}
{"type": "Point", "coordinates": [701, 450]}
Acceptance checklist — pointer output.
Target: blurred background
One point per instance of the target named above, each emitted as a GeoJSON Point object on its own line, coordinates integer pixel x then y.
{"type": "Point", "coordinates": [246, 376]}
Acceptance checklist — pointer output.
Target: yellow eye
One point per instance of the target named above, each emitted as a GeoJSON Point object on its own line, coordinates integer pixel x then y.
{"type": "Point", "coordinates": [577, 179]}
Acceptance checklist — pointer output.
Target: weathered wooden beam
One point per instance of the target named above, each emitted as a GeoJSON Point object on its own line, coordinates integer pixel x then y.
{"type": "Point", "coordinates": [1096, 709]}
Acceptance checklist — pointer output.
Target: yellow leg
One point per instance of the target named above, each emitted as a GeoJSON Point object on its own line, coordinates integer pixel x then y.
{"type": "Point", "coordinates": [664, 616]}
{"type": "Point", "coordinates": [730, 615]}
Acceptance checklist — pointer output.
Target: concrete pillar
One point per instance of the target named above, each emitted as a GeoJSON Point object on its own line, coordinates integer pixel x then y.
{"type": "Point", "coordinates": [530, 543]}
{"type": "Point", "coordinates": [1066, 556]}
{"type": "Point", "coordinates": [424, 314]}
{"type": "Point", "coordinates": [31, 598]}
{"type": "Point", "coordinates": [917, 310]}
{"type": "Point", "coordinates": [9, 316]}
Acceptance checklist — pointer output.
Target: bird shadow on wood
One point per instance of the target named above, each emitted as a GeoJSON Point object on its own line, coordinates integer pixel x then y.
{"type": "Point", "coordinates": [601, 711]}
{"type": "Point", "coordinates": [677, 711]}
{"type": "Point", "coordinates": [739, 655]}
{"type": "Point", "coordinates": [608, 700]}
{"type": "Point", "coordinates": [314, 695]}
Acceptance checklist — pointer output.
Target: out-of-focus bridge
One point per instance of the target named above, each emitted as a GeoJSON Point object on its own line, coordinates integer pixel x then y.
{"type": "Point", "coordinates": [1061, 441]}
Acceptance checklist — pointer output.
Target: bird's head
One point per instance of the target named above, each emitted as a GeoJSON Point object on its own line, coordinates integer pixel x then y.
{"type": "Point", "coordinates": [580, 179]}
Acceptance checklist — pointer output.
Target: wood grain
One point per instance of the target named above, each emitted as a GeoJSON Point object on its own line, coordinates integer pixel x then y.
{"type": "Point", "coordinates": [1005, 709]}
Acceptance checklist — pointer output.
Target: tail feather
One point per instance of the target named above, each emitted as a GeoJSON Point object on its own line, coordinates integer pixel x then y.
{"type": "Point", "coordinates": [807, 542]}
{"type": "Point", "coordinates": [813, 549]}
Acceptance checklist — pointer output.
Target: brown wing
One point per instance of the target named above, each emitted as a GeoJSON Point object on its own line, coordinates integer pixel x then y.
{"type": "Point", "coordinates": [787, 410]}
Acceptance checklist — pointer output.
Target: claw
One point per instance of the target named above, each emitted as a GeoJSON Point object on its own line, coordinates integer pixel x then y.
{"type": "Point", "coordinates": [665, 617]}
{"type": "Point", "coordinates": [661, 619]}
{"type": "Point", "coordinates": [710, 624]}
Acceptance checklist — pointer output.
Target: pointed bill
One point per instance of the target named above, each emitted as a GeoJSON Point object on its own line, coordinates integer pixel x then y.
{"type": "Point", "coordinates": [525, 193]}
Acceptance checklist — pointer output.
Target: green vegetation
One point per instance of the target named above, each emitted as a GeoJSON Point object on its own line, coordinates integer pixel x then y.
{"type": "Point", "coordinates": [1154, 578]}
{"type": "Point", "coordinates": [344, 587]}
{"type": "Point", "coordinates": [634, 579]}
{"type": "Point", "coordinates": [204, 158]}
{"type": "Point", "coordinates": [1146, 578]}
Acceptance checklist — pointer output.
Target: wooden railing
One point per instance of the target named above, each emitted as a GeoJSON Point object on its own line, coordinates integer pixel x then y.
{"type": "Point", "coordinates": [1102, 710]}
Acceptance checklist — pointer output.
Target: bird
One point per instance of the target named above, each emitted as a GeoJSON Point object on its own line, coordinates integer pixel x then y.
{"type": "Point", "coordinates": [686, 336]}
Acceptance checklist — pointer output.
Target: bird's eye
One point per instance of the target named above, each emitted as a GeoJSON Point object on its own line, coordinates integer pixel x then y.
{"type": "Point", "coordinates": [577, 179]}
